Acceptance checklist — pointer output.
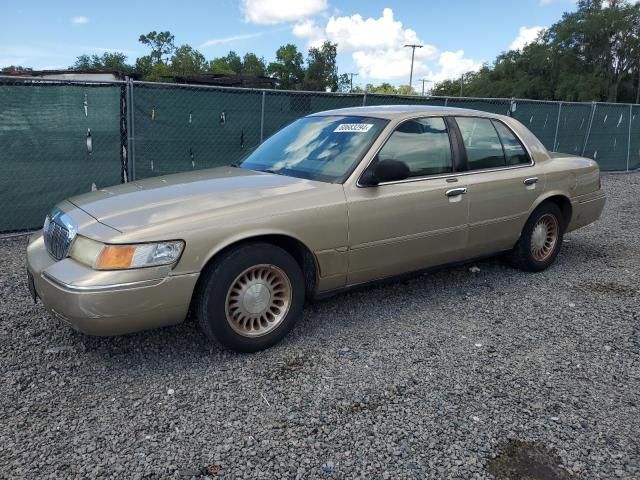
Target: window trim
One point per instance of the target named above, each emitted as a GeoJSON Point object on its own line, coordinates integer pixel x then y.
{"type": "Point", "coordinates": [524, 149]}
{"type": "Point", "coordinates": [531, 162]}
{"type": "Point", "coordinates": [463, 171]}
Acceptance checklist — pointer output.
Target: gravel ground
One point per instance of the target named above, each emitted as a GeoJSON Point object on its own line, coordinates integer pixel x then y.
{"type": "Point", "coordinates": [455, 374]}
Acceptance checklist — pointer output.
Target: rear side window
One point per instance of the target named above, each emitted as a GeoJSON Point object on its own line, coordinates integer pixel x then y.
{"type": "Point", "coordinates": [513, 149]}
{"type": "Point", "coordinates": [482, 143]}
{"type": "Point", "coordinates": [423, 144]}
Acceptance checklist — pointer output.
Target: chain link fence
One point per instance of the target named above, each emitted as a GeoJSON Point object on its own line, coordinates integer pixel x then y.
{"type": "Point", "coordinates": [62, 138]}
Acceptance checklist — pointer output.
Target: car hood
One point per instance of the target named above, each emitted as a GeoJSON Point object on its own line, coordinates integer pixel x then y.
{"type": "Point", "coordinates": [157, 200]}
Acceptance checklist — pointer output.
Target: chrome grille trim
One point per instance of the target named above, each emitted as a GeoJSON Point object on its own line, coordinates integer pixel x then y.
{"type": "Point", "coordinates": [59, 231]}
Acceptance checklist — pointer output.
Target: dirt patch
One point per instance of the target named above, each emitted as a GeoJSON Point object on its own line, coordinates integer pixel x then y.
{"type": "Point", "coordinates": [519, 460]}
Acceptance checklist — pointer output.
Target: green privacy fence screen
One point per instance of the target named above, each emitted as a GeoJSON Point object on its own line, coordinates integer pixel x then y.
{"type": "Point", "coordinates": [61, 138]}
{"type": "Point", "coordinates": [56, 141]}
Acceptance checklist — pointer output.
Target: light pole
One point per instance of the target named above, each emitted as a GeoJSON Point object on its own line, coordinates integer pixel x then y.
{"type": "Point", "coordinates": [413, 47]}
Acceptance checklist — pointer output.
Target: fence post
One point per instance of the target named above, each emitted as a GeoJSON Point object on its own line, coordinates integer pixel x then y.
{"type": "Point", "coordinates": [446, 100]}
{"type": "Point", "coordinates": [133, 133]}
{"type": "Point", "coordinates": [629, 139]}
{"type": "Point", "coordinates": [131, 157]}
{"type": "Point", "coordinates": [124, 134]}
{"type": "Point", "coordinates": [364, 99]}
{"type": "Point", "coordinates": [264, 94]}
{"type": "Point", "coordinates": [555, 138]}
{"type": "Point", "coordinates": [586, 137]}
{"type": "Point", "coordinates": [510, 112]}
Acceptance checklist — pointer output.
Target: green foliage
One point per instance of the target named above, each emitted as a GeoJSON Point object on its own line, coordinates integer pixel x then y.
{"type": "Point", "coordinates": [386, 88]}
{"type": "Point", "coordinates": [322, 70]}
{"type": "Point", "coordinates": [112, 61]}
{"type": "Point", "coordinates": [161, 44]}
{"type": "Point", "coordinates": [590, 54]}
{"type": "Point", "coordinates": [288, 69]}
{"type": "Point", "coordinates": [187, 61]}
{"type": "Point", "coordinates": [16, 68]}
{"type": "Point", "coordinates": [253, 65]}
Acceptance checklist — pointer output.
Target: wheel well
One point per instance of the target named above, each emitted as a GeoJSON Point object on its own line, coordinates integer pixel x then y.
{"type": "Point", "coordinates": [564, 204]}
{"type": "Point", "coordinates": [299, 251]}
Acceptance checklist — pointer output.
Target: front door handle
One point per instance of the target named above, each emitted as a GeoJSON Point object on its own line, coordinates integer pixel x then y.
{"type": "Point", "coordinates": [531, 181]}
{"type": "Point", "coordinates": [454, 192]}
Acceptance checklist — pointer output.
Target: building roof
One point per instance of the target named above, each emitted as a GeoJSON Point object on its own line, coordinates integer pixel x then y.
{"type": "Point", "coordinates": [223, 80]}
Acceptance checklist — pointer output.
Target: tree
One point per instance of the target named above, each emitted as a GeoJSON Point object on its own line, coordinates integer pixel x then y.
{"type": "Point", "coordinates": [161, 44]}
{"type": "Point", "coordinates": [383, 89]}
{"type": "Point", "coordinates": [16, 68]}
{"type": "Point", "coordinates": [112, 61]}
{"type": "Point", "coordinates": [229, 64]}
{"type": "Point", "coordinates": [344, 83]}
{"type": "Point", "coordinates": [254, 66]}
{"type": "Point", "coordinates": [187, 61]}
{"type": "Point", "coordinates": [322, 70]}
{"type": "Point", "coordinates": [288, 69]}
{"type": "Point", "coordinates": [590, 54]}
{"type": "Point", "coordinates": [405, 90]}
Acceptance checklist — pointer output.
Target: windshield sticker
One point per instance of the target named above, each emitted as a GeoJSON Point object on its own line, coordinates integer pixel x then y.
{"type": "Point", "coordinates": [354, 127]}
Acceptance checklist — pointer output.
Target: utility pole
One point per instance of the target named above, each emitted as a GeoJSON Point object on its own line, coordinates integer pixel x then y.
{"type": "Point", "coordinates": [423, 82]}
{"type": "Point", "coordinates": [352, 75]}
{"type": "Point", "coordinates": [461, 83]}
{"type": "Point", "coordinates": [413, 47]}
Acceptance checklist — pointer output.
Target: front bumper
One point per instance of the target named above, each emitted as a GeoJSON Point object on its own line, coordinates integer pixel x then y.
{"type": "Point", "coordinates": [108, 303]}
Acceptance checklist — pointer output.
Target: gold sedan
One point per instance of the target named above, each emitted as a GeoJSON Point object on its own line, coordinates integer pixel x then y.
{"type": "Point", "coordinates": [334, 200]}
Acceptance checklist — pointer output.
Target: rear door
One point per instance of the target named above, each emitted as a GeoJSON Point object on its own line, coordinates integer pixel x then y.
{"type": "Point", "coordinates": [503, 183]}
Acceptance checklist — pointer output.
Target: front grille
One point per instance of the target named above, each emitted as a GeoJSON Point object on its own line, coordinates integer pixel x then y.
{"type": "Point", "coordinates": [58, 233]}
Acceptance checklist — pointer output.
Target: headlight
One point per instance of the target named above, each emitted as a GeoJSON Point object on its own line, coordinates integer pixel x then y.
{"type": "Point", "coordinates": [117, 257]}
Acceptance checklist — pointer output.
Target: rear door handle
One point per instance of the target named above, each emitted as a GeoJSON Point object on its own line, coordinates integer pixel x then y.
{"type": "Point", "coordinates": [531, 181]}
{"type": "Point", "coordinates": [454, 192]}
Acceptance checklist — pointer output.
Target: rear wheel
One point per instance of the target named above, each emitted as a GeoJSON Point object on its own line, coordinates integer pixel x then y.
{"type": "Point", "coordinates": [250, 298]}
{"type": "Point", "coordinates": [541, 239]}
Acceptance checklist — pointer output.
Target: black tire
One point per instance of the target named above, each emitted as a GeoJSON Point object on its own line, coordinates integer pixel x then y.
{"type": "Point", "coordinates": [522, 255]}
{"type": "Point", "coordinates": [211, 296]}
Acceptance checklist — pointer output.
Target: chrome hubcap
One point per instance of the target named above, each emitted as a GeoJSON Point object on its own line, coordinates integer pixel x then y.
{"type": "Point", "coordinates": [258, 300]}
{"type": "Point", "coordinates": [544, 237]}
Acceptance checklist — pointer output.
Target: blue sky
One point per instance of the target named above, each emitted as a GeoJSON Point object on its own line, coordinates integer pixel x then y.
{"type": "Point", "coordinates": [458, 35]}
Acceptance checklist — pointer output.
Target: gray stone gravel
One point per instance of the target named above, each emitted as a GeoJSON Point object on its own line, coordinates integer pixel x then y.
{"type": "Point", "coordinates": [423, 378]}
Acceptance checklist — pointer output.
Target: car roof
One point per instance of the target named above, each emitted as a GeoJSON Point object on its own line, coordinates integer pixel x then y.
{"type": "Point", "coordinates": [395, 112]}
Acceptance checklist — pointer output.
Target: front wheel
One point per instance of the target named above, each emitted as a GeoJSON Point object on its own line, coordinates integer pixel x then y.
{"type": "Point", "coordinates": [541, 239]}
{"type": "Point", "coordinates": [250, 298]}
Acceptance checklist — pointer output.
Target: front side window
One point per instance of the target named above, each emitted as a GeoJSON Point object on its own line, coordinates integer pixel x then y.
{"type": "Point", "coordinates": [423, 144]}
{"type": "Point", "coordinates": [481, 141]}
{"type": "Point", "coordinates": [320, 148]}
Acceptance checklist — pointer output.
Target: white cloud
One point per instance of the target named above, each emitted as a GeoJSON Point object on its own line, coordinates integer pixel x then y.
{"type": "Point", "coordinates": [310, 31]}
{"type": "Point", "coordinates": [233, 38]}
{"type": "Point", "coordinates": [79, 20]}
{"type": "Point", "coordinates": [453, 65]}
{"type": "Point", "coordinates": [526, 36]}
{"type": "Point", "coordinates": [270, 12]}
{"type": "Point", "coordinates": [376, 44]}
{"type": "Point", "coordinates": [377, 48]}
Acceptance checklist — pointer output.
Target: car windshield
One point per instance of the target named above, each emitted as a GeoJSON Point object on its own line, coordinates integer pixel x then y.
{"type": "Point", "coordinates": [317, 148]}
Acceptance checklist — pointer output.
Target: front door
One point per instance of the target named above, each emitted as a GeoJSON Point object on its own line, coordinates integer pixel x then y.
{"type": "Point", "coordinates": [415, 223]}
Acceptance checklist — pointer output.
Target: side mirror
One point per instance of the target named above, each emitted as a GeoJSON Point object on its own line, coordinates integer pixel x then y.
{"type": "Point", "coordinates": [385, 171]}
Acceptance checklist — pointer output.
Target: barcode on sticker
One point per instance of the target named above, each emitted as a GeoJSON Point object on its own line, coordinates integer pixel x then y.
{"type": "Point", "coordinates": [354, 127]}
